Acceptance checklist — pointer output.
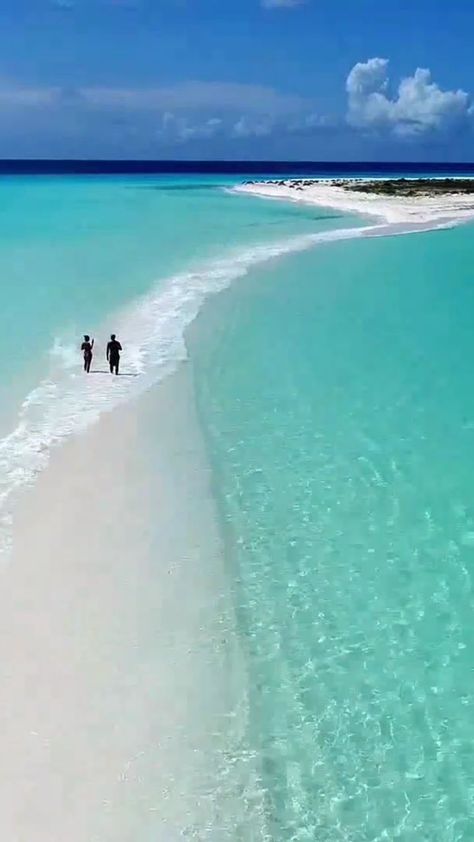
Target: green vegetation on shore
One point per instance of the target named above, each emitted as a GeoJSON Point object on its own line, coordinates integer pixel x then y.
{"type": "Point", "coordinates": [401, 187]}
{"type": "Point", "coordinates": [410, 186]}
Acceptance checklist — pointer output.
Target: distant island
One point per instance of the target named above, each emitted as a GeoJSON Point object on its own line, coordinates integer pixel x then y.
{"type": "Point", "coordinates": [401, 187]}
{"type": "Point", "coordinates": [419, 202]}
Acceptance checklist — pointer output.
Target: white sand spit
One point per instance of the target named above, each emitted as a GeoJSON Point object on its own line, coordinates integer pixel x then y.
{"type": "Point", "coordinates": [453, 207]}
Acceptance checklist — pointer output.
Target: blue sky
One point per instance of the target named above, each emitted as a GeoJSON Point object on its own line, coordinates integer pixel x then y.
{"type": "Point", "coordinates": [237, 79]}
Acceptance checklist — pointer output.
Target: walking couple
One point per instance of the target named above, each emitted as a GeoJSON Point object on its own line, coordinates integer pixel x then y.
{"type": "Point", "coordinates": [113, 353]}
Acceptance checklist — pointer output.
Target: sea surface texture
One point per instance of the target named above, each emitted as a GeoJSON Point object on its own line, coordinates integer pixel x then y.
{"type": "Point", "coordinates": [137, 256]}
{"type": "Point", "coordinates": [333, 378]}
{"type": "Point", "coordinates": [336, 392]}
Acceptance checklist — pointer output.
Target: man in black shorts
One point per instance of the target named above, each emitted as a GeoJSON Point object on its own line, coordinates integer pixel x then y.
{"type": "Point", "coordinates": [113, 354]}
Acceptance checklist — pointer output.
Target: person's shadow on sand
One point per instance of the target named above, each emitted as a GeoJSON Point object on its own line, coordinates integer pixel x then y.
{"type": "Point", "coordinates": [120, 374]}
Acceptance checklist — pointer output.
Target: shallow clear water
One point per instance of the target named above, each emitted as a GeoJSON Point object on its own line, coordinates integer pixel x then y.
{"type": "Point", "coordinates": [137, 256]}
{"type": "Point", "coordinates": [73, 250]}
{"type": "Point", "coordinates": [336, 396]}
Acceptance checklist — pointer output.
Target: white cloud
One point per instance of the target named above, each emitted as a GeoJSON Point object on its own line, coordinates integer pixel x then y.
{"type": "Point", "coordinates": [204, 98]}
{"type": "Point", "coordinates": [72, 4]}
{"type": "Point", "coordinates": [178, 115]}
{"type": "Point", "coordinates": [181, 129]}
{"type": "Point", "coordinates": [248, 127]}
{"type": "Point", "coordinates": [200, 131]}
{"type": "Point", "coordinates": [282, 4]}
{"type": "Point", "coordinates": [17, 96]}
{"type": "Point", "coordinates": [419, 106]}
{"type": "Point", "coordinates": [310, 122]}
{"type": "Point", "coordinates": [197, 96]}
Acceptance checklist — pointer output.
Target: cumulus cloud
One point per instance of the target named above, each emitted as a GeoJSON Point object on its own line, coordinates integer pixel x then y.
{"type": "Point", "coordinates": [419, 105]}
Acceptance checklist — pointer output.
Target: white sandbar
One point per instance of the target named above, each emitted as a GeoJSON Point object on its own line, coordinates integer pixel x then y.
{"type": "Point", "coordinates": [123, 692]}
{"type": "Point", "coordinates": [444, 209]}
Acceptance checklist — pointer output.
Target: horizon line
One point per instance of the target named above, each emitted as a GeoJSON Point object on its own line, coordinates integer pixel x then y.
{"type": "Point", "coordinates": [186, 161]}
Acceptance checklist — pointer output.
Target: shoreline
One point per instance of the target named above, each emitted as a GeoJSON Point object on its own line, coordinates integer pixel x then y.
{"type": "Point", "coordinates": [124, 704]}
{"type": "Point", "coordinates": [64, 403]}
{"type": "Point", "coordinates": [432, 211]}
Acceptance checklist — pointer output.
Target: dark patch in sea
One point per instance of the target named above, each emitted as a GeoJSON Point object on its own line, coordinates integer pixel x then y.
{"type": "Point", "coordinates": [174, 188]}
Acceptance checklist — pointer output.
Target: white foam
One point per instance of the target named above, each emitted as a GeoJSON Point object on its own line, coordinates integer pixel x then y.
{"type": "Point", "coordinates": [64, 353]}
{"type": "Point", "coordinates": [152, 331]}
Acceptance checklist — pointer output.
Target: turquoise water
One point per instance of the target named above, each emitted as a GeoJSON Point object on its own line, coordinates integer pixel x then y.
{"type": "Point", "coordinates": [73, 250]}
{"type": "Point", "coordinates": [333, 381]}
{"type": "Point", "coordinates": [335, 391]}
{"type": "Point", "coordinates": [137, 256]}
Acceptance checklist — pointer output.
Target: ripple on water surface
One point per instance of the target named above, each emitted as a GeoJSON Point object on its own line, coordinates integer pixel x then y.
{"type": "Point", "coordinates": [338, 406]}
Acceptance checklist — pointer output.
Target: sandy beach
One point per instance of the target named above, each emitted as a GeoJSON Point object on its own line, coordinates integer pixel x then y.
{"type": "Point", "coordinates": [121, 676]}
{"type": "Point", "coordinates": [422, 210]}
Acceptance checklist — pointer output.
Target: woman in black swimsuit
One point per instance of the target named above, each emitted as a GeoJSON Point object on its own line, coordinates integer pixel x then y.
{"type": "Point", "coordinates": [87, 347]}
